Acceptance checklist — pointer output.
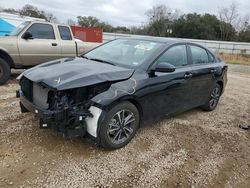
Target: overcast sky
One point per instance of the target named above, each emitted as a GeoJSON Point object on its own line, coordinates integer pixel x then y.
{"type": "Point", "coordinates": [121, 12]}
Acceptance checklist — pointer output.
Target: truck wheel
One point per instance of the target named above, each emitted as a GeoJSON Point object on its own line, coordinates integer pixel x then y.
{"type": "Point", "coordinates": [4, 71]}
{"type": "Point", "coordinates": [119, 126]}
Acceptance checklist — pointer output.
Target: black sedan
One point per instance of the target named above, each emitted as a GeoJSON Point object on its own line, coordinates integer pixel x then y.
{"type": "Point", "coordinates": [110, 91]}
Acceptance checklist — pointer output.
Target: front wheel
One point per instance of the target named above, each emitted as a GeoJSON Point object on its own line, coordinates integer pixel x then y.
{"type": "Point", "coordinates": [119, 126]}
{"type": "Point", "coordinates": [213, 99]}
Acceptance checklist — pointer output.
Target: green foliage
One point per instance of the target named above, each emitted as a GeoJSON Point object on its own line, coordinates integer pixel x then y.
{"type": "Point", "coordinates": [121, 29]}
{"type": "Point", "coordinates": [228, 32]}
{"type": "Point", "coordinates": [88, 21]}
{"type": "Point", "coordinates": [244, 35]}
{"type": "Point", "coordinates": [200, 27]}
{"type": "Point", "coordinates": [105, 27]}
{"type": "Point", "coordinates": [32, 11]}
{"type": "Point", "coordinates": [11, 10]}
{"type": "Point", "coordinates": [91, 21]}
{"type": "Point", "coordinates": [29, 10]}
{"type": "Point", "coordinates": [164, 22]}
{"type": "Point", "coordinates": [160, 21]}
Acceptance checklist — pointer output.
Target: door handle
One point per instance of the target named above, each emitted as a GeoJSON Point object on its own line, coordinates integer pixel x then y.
{"type": "Point", "coordinates": [54, 44]}
{"type": "Point", "coordinates": [212, 70]}
{"type": "Point", "coordinates": [188, 75]}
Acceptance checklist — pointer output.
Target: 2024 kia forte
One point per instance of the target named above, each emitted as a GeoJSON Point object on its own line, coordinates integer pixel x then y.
{"type": "Point", "coordinates": [108, 92]}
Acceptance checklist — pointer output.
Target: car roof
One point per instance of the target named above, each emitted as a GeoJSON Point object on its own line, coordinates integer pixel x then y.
{"type": "Point", "coordinates": [165, 40]}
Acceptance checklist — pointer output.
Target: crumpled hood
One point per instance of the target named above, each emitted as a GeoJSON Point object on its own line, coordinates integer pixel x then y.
{"type": "Point", "coordinates": [76, 72]}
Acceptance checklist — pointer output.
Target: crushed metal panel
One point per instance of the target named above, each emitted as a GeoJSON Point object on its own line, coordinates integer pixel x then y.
{"type": "Point", "coordinates": [78, 73]}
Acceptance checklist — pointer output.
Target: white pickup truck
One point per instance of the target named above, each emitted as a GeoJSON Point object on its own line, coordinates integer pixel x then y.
{"type": "Point", "coordinates": [34, 43]}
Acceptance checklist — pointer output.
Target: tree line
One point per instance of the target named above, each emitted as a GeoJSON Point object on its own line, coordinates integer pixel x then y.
{"type": "Point", "coordinates": [32, 11]}
{"type": "Point", "coordinates": [227, 25]}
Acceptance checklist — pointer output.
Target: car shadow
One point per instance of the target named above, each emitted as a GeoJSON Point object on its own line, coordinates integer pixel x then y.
{"type": "Point", "coordinates": [166, 117]}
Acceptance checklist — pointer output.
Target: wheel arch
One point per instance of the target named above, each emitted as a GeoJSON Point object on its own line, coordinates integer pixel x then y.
{"type": "Point", "coordinates": [221, 84]}
{"type": "Point", "coordinates": [130, 98]}
{"type": "Point", "coordinates": [4, 55]}
{"type": "Point", "coordinates": [138, 106]}
{"type": "Point", "coordinates": [105, 109]}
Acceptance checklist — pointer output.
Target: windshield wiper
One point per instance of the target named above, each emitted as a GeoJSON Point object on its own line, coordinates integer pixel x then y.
{"type": "Point", "coordinates": [99, 60]}
{"type": "Point", "coordinates": [83, 56]}
{"type": "Point", "coordinates": [102, 61]}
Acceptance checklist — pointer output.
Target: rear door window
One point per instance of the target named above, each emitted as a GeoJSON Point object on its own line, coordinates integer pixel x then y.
{"type": "Point", "coordinates": [41, 31]}
{"type": "Point", "coordinates": [64, 33]}
{"type": "Point", "coordinates": [199, 55]}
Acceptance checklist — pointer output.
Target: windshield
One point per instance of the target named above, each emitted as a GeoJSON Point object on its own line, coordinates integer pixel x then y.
{"type": "Point", "coordinates": [124, 52]}
{"type": "Point", "coordinates": [18, 29]}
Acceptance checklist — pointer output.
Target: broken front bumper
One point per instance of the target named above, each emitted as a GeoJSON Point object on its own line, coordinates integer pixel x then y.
{"type": "Point", "coordinates": [56, 119]}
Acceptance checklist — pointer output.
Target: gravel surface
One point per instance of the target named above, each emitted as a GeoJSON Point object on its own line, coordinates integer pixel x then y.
{"type": "Point", "coordinates": [193, 149]}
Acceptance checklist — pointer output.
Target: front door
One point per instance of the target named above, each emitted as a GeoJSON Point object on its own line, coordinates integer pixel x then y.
{"type": "Point", "coordinates": [170, 92]}
{"type": "Point", "coordinates": [42, 47]}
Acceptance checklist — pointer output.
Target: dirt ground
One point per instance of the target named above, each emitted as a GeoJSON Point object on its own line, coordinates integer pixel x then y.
{"type": "Point", "coordinates": [193, 149]}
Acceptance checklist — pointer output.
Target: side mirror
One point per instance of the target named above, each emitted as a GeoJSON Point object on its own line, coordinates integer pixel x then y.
{"type": "Point", "coordinates": [164, 67]}
{"type": "Point", "coordinates": [27, 35]}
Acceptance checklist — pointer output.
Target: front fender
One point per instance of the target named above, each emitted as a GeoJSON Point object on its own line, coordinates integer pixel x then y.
{"type": "Point", "coordinates": [4, 50]}
{"type": "Point", "coordinates": [117, 91]}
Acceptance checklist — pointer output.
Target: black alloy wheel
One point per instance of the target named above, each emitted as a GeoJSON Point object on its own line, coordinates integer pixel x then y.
{"type": "Point", "coordinates": [119, 125]}
{"type": "Point", "coordinates": [213, 99]}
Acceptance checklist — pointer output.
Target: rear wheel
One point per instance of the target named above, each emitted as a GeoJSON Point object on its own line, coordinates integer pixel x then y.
{"type": "Point", "coordinates": [213, 99]}
{"type": "Point", "coordinates": [4, 71]}
{"type": "Point", "coordinates": [119, 126]}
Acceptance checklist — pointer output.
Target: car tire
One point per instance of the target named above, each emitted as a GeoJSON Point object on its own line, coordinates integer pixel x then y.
{"type": "Point", "coordinates": [213, 98]}
{"type": "Point", "coordinates": [4, 71]}
{"type": "Point", "coordinates": [119, 126]}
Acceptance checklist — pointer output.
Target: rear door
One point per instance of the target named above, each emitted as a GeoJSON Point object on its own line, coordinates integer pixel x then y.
{"type": "Point", "coordinates": [44, 45]}
{"type": "Point", "coordinates": [68, 45]}
{"type": "Point", "coordinates": [203, 69]}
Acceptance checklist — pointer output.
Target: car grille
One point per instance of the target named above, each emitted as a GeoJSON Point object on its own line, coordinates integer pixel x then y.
{"type": "Point", "coordinates": [35, 93]}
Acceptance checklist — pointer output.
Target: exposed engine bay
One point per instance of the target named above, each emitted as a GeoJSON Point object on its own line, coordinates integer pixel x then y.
{"type": "Point", "coordinates": [64, 111]}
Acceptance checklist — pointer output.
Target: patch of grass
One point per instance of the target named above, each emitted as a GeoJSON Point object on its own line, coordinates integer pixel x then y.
{"type": "Point", "coordinates": [238, 62]}
{"type": "Point", "coordinates": [235, 59]}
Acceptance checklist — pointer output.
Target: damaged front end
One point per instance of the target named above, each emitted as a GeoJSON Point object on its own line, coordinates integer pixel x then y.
{"type": "Point", "coordinates": [67, 111]}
